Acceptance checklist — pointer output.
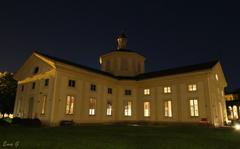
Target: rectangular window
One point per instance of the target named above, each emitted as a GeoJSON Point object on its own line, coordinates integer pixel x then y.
{"type": "Point", "coordinates": [92, 106]}
{"type": "Point", "coordinates": [194, 108]}
{"type": "Point", "coordinates": [168, 108]}
{"type": "Point", "coordinates": [146, 109]}
{"type": "Point", "coordinates": [43, 104]}
{"type": "Point", "coordinates": [192, 87]}
{"type": "Point", "coordinates": [146, 91]}
{"type": "Point", "coordinates": [22, 89]}
{"type": "Point", "coordinates": [109, 108]}
{"type": "Point", "coordinates": [70, 104]}
{"type": "Point", "coordinates": [167, 89]}
{"type": "Point", "coordinates": [46, 82]}
{"type": "Point", "coordinates": [93, 87]}
{"type": "Point", "coordinates": [109, 90]}
{"type": "Point", "coordinates": [33, 85]}
{"type": "Point", "coordinates": [71, 83]}
{"type": "Point", "coordinates": [128, 92]}
{"type": "Point", "coordinates": [128, 108]}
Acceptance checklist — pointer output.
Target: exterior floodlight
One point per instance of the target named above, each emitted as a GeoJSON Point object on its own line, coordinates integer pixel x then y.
{"type": "Point", "coordinates": [237, 126]}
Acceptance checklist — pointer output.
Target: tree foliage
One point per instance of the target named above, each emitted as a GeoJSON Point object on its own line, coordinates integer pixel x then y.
{"type": "Point", "coordinates": [8, 88]}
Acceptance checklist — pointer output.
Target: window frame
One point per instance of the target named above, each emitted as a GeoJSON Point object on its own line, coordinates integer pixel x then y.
{"type": "Point", "coordinates": [148, 109]}
{"type": "Point", "coordinates": [93, 87]}
{"type": "Point", "coordinates": [71, 105]}
{"type": "Point", "coordinates": [168, 111]}
{"type": "Point", "coordinates": [167, 89]}
{"type": "Point", "coordinates": [194, 115]}
{"type": "Point", "coordinates": [109, 108]}
{"type": "Point", "coordinates": [109, 91]}
{"type": "Point", "coordinates": [92, 108]}
{"type": "Point", "coordinates": [46, 82]}
{"type": "Point", "coordinates": [190, 87]}
{"type": "Point", "coordinates": [127, 112]}
{"type": "Point", "coordinates": [71, 83]}
{"type": "Point", "coordinates": [128, 92]}
{"type": "Point", "coordinates": [147, 91]}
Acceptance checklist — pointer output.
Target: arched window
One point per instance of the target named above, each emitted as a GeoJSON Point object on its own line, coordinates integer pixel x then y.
{"type": "Point", "coordinates": [235, 112]}
{"type": "Point", "coordinates": [36, 70]}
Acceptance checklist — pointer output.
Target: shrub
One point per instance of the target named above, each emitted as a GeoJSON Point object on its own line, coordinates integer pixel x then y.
{"type": "Point", "coordinates": [4, 123]}
{"type": "Point", "coordinates": [30, 122]}
{"type": "Point", "coordinates": [26, 122]}
{"type": "Point", "coordinates": [66, 123]}
{"type": "Point", "coordinates": [16, 120]}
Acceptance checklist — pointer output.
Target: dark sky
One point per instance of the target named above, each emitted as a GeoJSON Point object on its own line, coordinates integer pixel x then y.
{"type": "Point", "coordinates": [168, 33]}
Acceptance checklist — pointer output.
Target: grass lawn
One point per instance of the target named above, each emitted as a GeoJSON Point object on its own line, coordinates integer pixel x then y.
{"type": "Point", "coordinates": [120, 137]}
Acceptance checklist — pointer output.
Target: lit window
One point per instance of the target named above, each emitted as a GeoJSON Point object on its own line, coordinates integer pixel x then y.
{"type": "Point", "coordinates": [128, 92]}
{"type": "Point", "coordinates": [168, 108]}
{"type": "Point", "coordinates": [46, 82]}
{"type": "Point", "coordinates": [216, 76]}
{"type": "Point", "coordinates": [70, 104]}
{"type": "Point", "coordinates": [43, 104]}
{"type": "Point", "coordinates": [128, 108]}
{"type": "Point", "coordinates": [192, 87]}
{"type": "Point", "coordinates": [109, 108]}
{"type": "Point", "coordinates": [92, 106]}
{"type": "Point", "coordinates": [235, 112]}
{"type": "Point", "coordinates": [33, 85]}
{"type": "Point", "coordinates": [230, 110]}
{"type": "Point", "coordinates": [100, 60]}
{"type": "Point", "coordinates": [93, 87]}
{"type": "Point", "coordinates": [146, 109]}
{"type": "Point", "coordinates": [109, 90]}
{"type": "Point", "coordinates": [146, 91]}
{"type": "Point", "coordinates": [71, 83]}
{"type": "Point", "coordinates": [167, 89]}
{"type": "Point", "coordinates": [194, 108]}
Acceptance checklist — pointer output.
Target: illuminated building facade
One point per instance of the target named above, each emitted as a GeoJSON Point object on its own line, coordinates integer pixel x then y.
{"type": "Point", "coordinates": [53, 89]}
{"type": "Point", "coordinates": [233, 105]}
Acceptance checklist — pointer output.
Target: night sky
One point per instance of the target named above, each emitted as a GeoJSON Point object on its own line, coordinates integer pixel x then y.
{"type": "Point", "coordinates": [169, 33]}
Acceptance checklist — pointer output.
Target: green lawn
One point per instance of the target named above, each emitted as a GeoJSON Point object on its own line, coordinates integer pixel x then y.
{"type": "Point", "coordinates": [120, 137]}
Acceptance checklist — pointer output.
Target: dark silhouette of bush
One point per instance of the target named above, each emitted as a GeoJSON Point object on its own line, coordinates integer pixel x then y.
{"type": "Point", "coordinates": [26, 122]}
{"type": "Point", "coordinates": [4, 123]}
{"type": "Point", "coordinates": [66, 123]}
{"type": "Point", "coordinates": [16, 120]}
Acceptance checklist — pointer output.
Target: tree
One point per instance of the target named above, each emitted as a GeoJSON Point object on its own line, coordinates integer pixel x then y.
{"type": "Point", "coordinates": [8, 87]}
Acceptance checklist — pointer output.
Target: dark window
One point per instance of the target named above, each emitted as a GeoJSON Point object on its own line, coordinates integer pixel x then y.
{"type": "Point", "coordinates": [93, 87]}
{"type": "Point", "coordinates": [71, 83]}
{"type": "Point", "coordinates": [36, 70]}
{"type": "Point", "coordinates": [33, 85]}
{"type": "Point", "coordinates": [46, 82]}
{"type": "Point", "coordinates": [128, 92]}
{"type": "Point", "coordinates": [22, 88]}
{"type": "Point", "coordinates": [109, 90]}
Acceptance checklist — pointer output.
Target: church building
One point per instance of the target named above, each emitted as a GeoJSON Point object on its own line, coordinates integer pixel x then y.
{"type": "Point", "coordinates": [54, 90]}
